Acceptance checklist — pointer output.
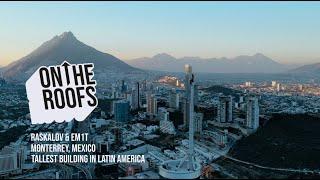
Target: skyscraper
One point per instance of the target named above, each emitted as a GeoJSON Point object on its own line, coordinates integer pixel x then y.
{"type": "Point", "coordinates": [123, 87]}
{"type": "Point", "coordinates": [225, 109]}
{"type": "Point", "coordinates": [121, 110]}
{"type": "Point", "coordinates": [174, 99]}
{"type": "Point", "coordinates": [189, 82]}
{"type": "Point", "coordinates": [198, 118]}
{"type": "Point", "coordinates": [144, 85]}
{"type": "Point", "coordinates": [136, 96]}
{"type": "Point", "coordinates": [252, 118]}
{"type": "Point", "coordinates": [12, 158]}
{"type": "Point", "coordinates": [188, 167]}
{"type": "Point", "coordinates": [151, 104]}
{"type": "Point", "coordinates": [278, 87]}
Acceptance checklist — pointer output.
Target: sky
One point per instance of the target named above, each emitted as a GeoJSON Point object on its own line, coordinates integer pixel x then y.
{"type": "Point", "coordinates": [288, 32]}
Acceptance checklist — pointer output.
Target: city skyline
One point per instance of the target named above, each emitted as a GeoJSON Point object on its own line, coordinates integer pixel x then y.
{"type": "Point", "coordinates": [159, 90]}
{"type": "Point", "coordinates": [286, 31]}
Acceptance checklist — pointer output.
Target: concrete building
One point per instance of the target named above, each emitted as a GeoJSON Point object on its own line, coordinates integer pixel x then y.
{"type": "Point", "coordinates": [225, 109]}
{"type": "Point", "coordinates": [252, 118]}
{"type": "Point", "coordinates": [248, 84]}
{"type": "Point", "coordinates": [174, 99]}
{"type": "Point", "coordinates": [136, 96]}
{"type": "Point", "coordinates": [12, 159]}
{"type": "Point", "coordinates": [151, 104]}
{"type": "Point", "coordinates": [163, 114]}
{"type": "Point", "coordinates": [121, 110]}
{"type": "Point", "coordinates": [278, 87]}
{"type": "Point", "coordinates": [187, 167]}
{"type": "Point", "coordinates": [124, 87]}
{"type": "Point", "coordinates": [218, 136]}
{"type": "Point", "coordinates": [198, 118]}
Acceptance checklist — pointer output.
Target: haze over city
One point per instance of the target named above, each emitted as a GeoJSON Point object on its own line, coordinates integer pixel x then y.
{"type": "Point", "coordinates": [287, 32]}
{"type": "Point", "coordinates": [159, 90]}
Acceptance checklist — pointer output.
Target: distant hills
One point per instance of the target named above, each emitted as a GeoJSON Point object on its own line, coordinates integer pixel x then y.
{"type": "Point", "coordinates": [307, 69]}
{"type": "Point", "coordinates": [257, 63]}
{"type": "Point", "coordinates": [67, 47]}
{"type": "Point", "coordinates": [64, 47]}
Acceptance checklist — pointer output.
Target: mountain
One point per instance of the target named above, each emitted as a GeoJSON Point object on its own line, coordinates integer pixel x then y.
{"type": "Point", "coordinates": [257, 63]}
{"type": "Point", "coordinates": [307, 69]}
{"type": "Point", "coordinates": [285, 141]}
{"type": "Point", "coordinates": [64, 47]}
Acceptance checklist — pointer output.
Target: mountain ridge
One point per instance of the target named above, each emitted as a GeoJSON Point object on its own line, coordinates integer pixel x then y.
{"type": "Point", "coordinates": [58, 49]}
{"type": "Point", "coordinates": [313, 68]}
{"type": "Point", "coordinates": [256, 63]}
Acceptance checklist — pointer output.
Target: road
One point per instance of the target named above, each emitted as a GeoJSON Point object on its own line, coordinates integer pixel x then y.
{"type": "Point", "coordinates": [272, 168]}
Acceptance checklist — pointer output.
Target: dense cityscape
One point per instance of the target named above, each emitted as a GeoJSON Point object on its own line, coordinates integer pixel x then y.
{"type": "Point", "coordinates": [151, 117]}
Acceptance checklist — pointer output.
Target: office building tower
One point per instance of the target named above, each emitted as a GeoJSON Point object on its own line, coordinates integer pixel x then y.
{"type": "Point", "coordinates": [248, 84]}
{"type": "Point", "coordinates": [144, 85]}
{"type": "Point", "coordinates": [121, 110]}
{"type": "Point", "coordinates": [198, 119]}
{"type": "Point", "coordinates": [225, 109]}
{"type": "Point", "coordinates": [278, 87]}
{"type": "Point", "coordinates": [12, 158]}
{"type": "Point", "coordinates": [174, 99]}
{"type": "Point", "coordinates": [136, 96]}
{"type": "Point", "coordinates": [151, 104]}
{"type": "Point", "coordinates": [252, 118]}
{"type": "Point", "coordinates": [123, 87]}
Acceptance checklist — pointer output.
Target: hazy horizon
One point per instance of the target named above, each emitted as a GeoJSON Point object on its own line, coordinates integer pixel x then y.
{"type": "Point", "coordinates": [287, 32]}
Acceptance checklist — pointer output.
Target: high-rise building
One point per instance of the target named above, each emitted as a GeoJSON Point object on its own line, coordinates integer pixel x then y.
{"type": "Point", "coordinates": [163, 114]}
{"type": "Point", "coordinates": [178, 83]}
{"type": "Point", "coordinates": [118, 135]}
{"type": "Point", "coordinates": [151, 104]}
{"type": "Point", "coordinates": [225, 109]}
{"type": "Point", "coordinates": [273, 83]}
{"type": "Point", "coordinates": [12, 158]}
{"type": "Point", "coordinates": [248, 84]}
{"type": "Point", "coordinates": [113, 91]}
{"type": "Point", "coordinates": [123, 86]}
{"type": "Point", "coordinates": [144, 85]}
{"type": "Point", "coordinates": [174, 99]}
{"type": "Point", "coordinates": [219, 137]}
{"type": "Point", "coordinates": [252, 118]}
{"type": "Point", "coordinates": [198, 119]}
{"type": "Point", "coordinates": [121, 110]}
{"type": "Point", "coordinates": [136, 96]}
{"type": "Point", "coordinates": [187, 167]}
{"type": "Point", "coordinates": [278, 87]}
